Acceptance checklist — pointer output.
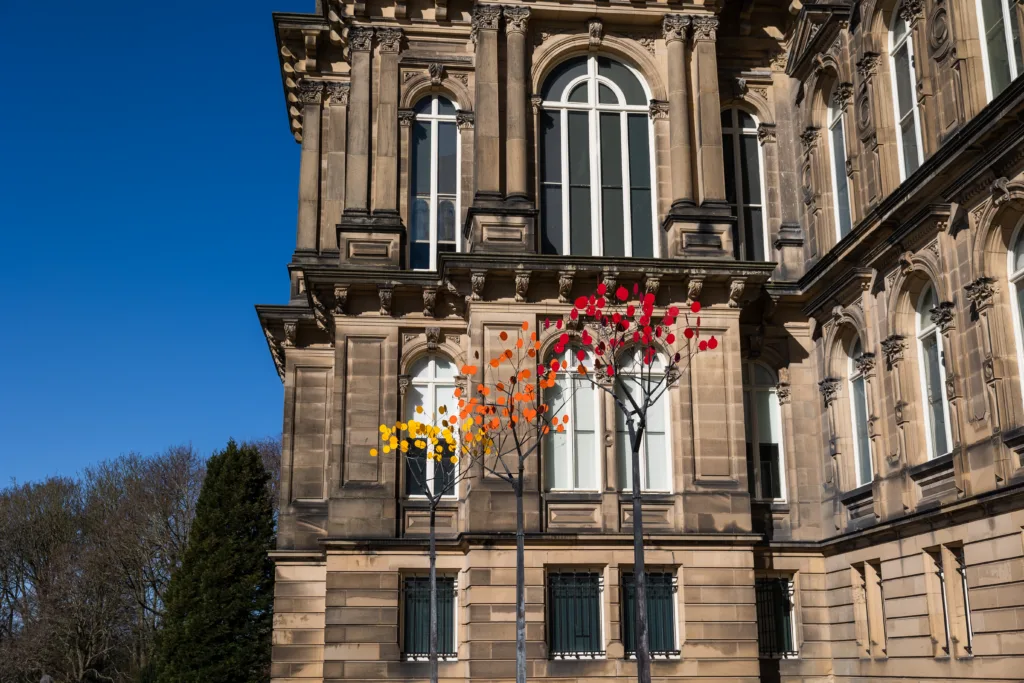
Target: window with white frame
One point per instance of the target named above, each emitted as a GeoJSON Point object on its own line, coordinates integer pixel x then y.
{"type": "Point", "coordinates": [776, 620]}
{"type": "Point", "coordinates": [904, 85]}
{"type": "Point", "coordinates": [744, 184]}
{"type": "Point", "coordinates": [864, 472]}
{"type": "Point", "coordinates": [597, 170]}
{"type": "Point", "coordinates": [837, 155]}
{"type": "Point", "coordinates": [1000, 44]}
{"type": "Point", "coordinates": [655, 456]}
{"type": "Point", "coordinates": [416, 618]}
{"type": "Point", "coordinates": [433, 182]}
{"type": "Point", "coordinates": [763, 421]}
{"type": "Point", "coordinates": [1015, 270]}
{"type": "Point", "coordinates": [575, 615]}
{"type": "Point", "coordinates": [931, 358]}
{"type": "Point", "coordinates": [572, 457]}
{"type": "Point", "coordinates": [431, 386]}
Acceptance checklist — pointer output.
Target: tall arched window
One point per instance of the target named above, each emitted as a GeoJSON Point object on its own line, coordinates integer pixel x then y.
{"type": "Point", "coordinates": [763, 420]}
{"type": "Point", "coordinates": [837, 147]}
{"type": "Point", "coordinates": [904, 85]}
{"type": "Point", "coordinates": [859, 415]}
{"type": "Point", "coordinates": [431, 385]}
{"type": "Point", "coordinates": [744, 183]}
{"type": "Point", "coordinates": [1015, 270]}
{"type": "Point", "coordinates": [572, 457]}
{"type": "Point", "coordinates": [1000, 44]}
{"type": "Point", "coordinates": [597, 173]}
{"type": "Point", "coordinates": [433, 182]}
{"type": "Point", "coordinates": [931, 358]}
{"type": "Point", "coordinates": [655, 455]}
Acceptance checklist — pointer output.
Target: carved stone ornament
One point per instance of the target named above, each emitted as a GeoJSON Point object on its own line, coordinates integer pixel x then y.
{"type": "Point", "coordinates": [436, 70]}
{"type": "Point", "coordinates": [516, 18]}
{"type": "Point", "coordinates": [385, 293]}
{"type": "Point", "coordinates": [653, 284]}
{"type": "Point", "coordinates": [485, 17]}
{"type": "Point", "coordinates": [867, 66]}
{"type": "Point", "coordinates": [390, 39]}
{"type": "Point", "coordinates": [980, 292]}
{"type": "Point", "coordinates": [310, 92]}
{"type": "Point", "coordinates": [461, 78]}
{"type": "Point", "coordinates": [911, 10]}
{"type": "Point", "coordinates": [464, 119]}
{"type": "Point", "coordinates": [893, 348]}
{"type": "Point", "coordinates": [535, 102]}
{"type": "Point", "coordinates": [275, 352]}
{"type": "Point", "coordinates": [766, 133]}
{"type": "Point", "coordinates": [736, 287]}
{"type": "Point", "coordinates": [406, 117]}
{"type": "Point", "coordinates": [865, 363]}
{"type": "Point", "coordinates": [433, 337]}
{"type": "Point", "coordinates": [674, 27]}
{"type": "Point", "coordinates": [942, 316]}
{"type": "Point", "coordinates": [1000, 191]}
{"type": "Point", "coordinates": [321, 315]}
{"type": "Point", "coordinates": [564, 285]}
{"type": "Point", "coordinates": [291, 331]}
{"type": "Point", "coordinates": [337, 93]}
{"type": "Point", "coordinates": [404, 382]}
{"type": "Point", "coordinates": [705, 28]}
{"type": "Point", "coordinates": [478, 279]}
{"type": "Point", "coordinates": [360, 38]}
{"type": "Point", "coordinates": [610, 279]}
{"type": "Point", "coordinates": [842, 95]}
{"type": "Point", "coordinates": [829, 388]}
{"type": "Point", "coordinates": [596, 31]}
{"type": "Point", "coordinates": [693, 289]}
{"type": "Point", "coordinates": [782, 392]}
{"type": "Point", "coordinates": [658, 109]}
{"type": "Point", "coordinates": [522, 284]}
{"type": "Point", "coordinates": [809, 137]}
{"type": "Point", "coordinates": [340, 299]}
{"type": "Point", "coordinates": [429, 301]}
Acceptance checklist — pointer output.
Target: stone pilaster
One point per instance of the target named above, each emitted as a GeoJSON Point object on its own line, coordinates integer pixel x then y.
{"type": "Point", "coordinates": [675, 29]}
{"type": "Point", "coordinates": [357, 180]}
{"type": "Point", "coordinates": [310, 96]}
{"type": "Point", "coordinates": [385, 197]}
{"type": "Point", "coordinates": [710, 171]}
{"type": "Point", "coordinates": [487, 133]}
{"type": "Point", "coordinates": [336, 97]}
{"type": "Point", "coordinates": [515, 112]}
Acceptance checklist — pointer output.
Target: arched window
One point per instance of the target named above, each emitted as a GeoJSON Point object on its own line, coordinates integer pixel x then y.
{"type": "Point", "coordinates": [763, 420]}
{"type": "Point", "coordinates": [433, 182]}
{"type": "Point", "coordinates": [931, 358]}
{"type": "Point", "coordinates": [1015, 269]}
{"type": "Point", "coordinates": [859, 415]}
{"type": "Point", "coordinates": [837, 147]}
{"type": "Point", "coordinates": [744, 183]}
{"type": "Point", "coordinates": [597, 173]}
{"type": "Point", "coordinates": [655, 455]}
{"type": "Point", "coordinates": [431, 385]}
{"type": "Point", "coordinates": [1000, 44]}
{"type": "Point", "coordinates": [572, 457]}
{"type": "Point", "coordinates": [904, 85]}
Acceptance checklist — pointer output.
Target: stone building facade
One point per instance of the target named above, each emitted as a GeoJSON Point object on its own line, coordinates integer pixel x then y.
{"type": "Point", "coordinates": [834, 494]}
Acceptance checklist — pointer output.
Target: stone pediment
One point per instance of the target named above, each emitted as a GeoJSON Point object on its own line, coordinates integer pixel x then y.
{"type": "Point", "coordinates": [817, 26]}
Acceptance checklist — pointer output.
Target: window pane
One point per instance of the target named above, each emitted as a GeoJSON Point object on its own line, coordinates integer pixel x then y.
{"type": "Point", "coordinates": [763, 377]}
{"type": "Point", "coordinates": [551, 177]}
{"type": "Point", "coordinates": [551, 235]}
{"type": "Point", "coordinates": [624, 78]}
{"type": "Point", "coordinates": [1018, 60]}
{"type": "Point", "coordinates": [586, 461]}
{"type": "Point", "coordinates": [660, 613]}
{"type": "Point", "coordinates": [579, 93]}
{"type": "Point", "coordinates": [447, 168]}
{"type": "Point", "coordinates": [749, 159]}
{"type": "Point", "coordinates": [445, 107]}
{"type": "Point", "coordinates": [746, 120]}
{"type": "Point", "coordinates": [551, 150]}
{"type": "Point", "coordinates": [908, 135]}
{"type": "Point", "coordinates": [642, 223]}
{"type": "Point", "coordinates": [421, 157]}
{"type": "Point", "coordinates": [995, 41]}
{"type": "Point", "coordinates": [579, 148]}
{"type": "Point", "coordinates": [657, 462]}
{"type": "Point", "coordinates": [727, 118]}
{"type": "Point", "coordinates": [730, 168]}
{"type": "Point", "coordinates": [419, 245]}
{"type": "Point", "coordinates": [445, 369]}
{"type": "Point", "coordinates": [763, 400]}
{"type": "Point", "coordinates": [860, 417]}
{"type": "Point", "coordinates": [936, 395]}
{"type": "Point", "coordinates": [579, 191]}
{"type": "Point", "coordinates": [446, 221]}
{"type": "Point", "coordinates": [639, 154]}
{"type": "Point", "coordinates": [771, 486]}
{"type": "Point", "coordinates": [606, 95]}
{"type": "Point", "coordinates": [612, 218]}
{"type": "Point", "coordinates": [753, 226]}
{"type": "Point", "coordinates": [904, 86]}
{"type": "Point", "coordinates": [611, 150]}
{"type": "Point", "coordinates": [560, 77]}
{"type": "Point", "coordinates": [842, 195]}
{"type": "Point", "coordinates": [424, 106]}
{"type": "Point", "coordinates": [612, 223]}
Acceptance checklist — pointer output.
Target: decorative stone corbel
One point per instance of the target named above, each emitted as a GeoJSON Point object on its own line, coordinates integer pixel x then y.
{"type": "Point", "coordinates": [596, 29]}
{"type": "Point", "coordinates": [736, 287]}
{"type": "Point", "coordinates": [385, 293]}
{"type": "Point", "coordinates": [433, 337]}
{"type": "Point", "coordinates": [406, 117]}
{"type": "Point", "coordinates": [693, 289]}
{"type": "Point", "coordinates": [404, 382]}
{"type": "Point", "coordinates": [276, 352]}
{"type": "Point", "coordinates": [478, 278]}
{"type": "Point", "coordinates": [291, 331]}
{"type": "Point", "coordinates": [829, 388]}
{"type": "Point", "coordinates": [658, 109]}
{"type": "Point", "coordinates": [942, 316]}
{"type": "Point", "coordinates": [652, 284]}
{"type": "Point", "coordinates": [766, 133]}
{"type": "Point", "coordinates": [464, 119]}
{"type": "Point", "coordinates": [782, 392]}
{"type": "Point", "coordinates": [522, 284]}
{"type": "Point", "coordinates": [610, 280]}
{"type": "Point", "coordinates": [429, 301]}
{"type": "Point", "coordinates": [564, 285]}
{"type": "Point", "coordinates": [535, 102]}
{"type": "Point", "coordinates": [340, 299]}
{"type": "Point", "coordinates": [865, 363]}
{"type": "Point", "coordinates": [893, 348]}
{"type": "Point", "coordinates": [980, 293]}
{"type": "Point", "coordinates": [321, 314]}
{"type": "Point", "coordinates": [1000, 191]}
{"type": "Point", "coordinates": [436, 70]}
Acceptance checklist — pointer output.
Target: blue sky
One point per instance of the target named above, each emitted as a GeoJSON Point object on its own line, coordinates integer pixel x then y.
{"type": "Point", "coordinates": [147, 201]}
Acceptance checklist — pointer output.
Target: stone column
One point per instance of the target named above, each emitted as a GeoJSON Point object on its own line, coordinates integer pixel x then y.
{"type": "Point", "coordinates": [487, 129]}
{"type": "Point", "coordinates": [385, 196]}
{"type": "Point", "coordinates": [675, 27]}
{"type": "Point", "coordinates": [357, 179]}
{"type": "Point", "coordinates": [710, 170]}
{"type": "Point", "coordinates": [310, 96]}
{"type": "Point", "coordinates": [335, 130]}
{"type": "Point", "coordinates": [515, 108]}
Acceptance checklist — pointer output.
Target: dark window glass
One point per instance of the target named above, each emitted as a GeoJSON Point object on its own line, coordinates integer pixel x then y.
{"type": "Point", "coordinates": [447, 151]}
{"type": "Point", "coordinates": [421, 158]}
{"type": "Point", "coordinates": [936, 394]}
{"type": "Point", "coordinates": [419, 244]}
{"type": "Point", "coordinates": [842, 197]}
{"type": "Point", "coordinates": [606, 95]}
{"type": "Point", "coordinates": [611, 185]}
{"type": "Point", "coordinates": [727, 121]}
{"type": "Point", "coordinates": [770, 483]}
{"type": "Point", "coordinates": [445, 107]}
{"type": "Point", "coordinates": [774, 618]}
{"type": "Point", "coordinates": [416, 636]}
{"type": "Point", "coordinates": [551, 179]}
{"type": "Point", "coordinates": [753, 225]}
{"type": "Point", "coordinates": [560, 77]}
{"type": "Point", "coordinates": [746, 120]}
{"type": "Point", "coordinates": [445, 221]}
{"type": "Point", "coordinates": [416, 475]}
{"type": "Point", "coordinates": [730, 169]}
{"type": "Point", "coordinates": [749, 160]}
{"type": "Point", "coordinates": [579, 93]}
{"type": "Point", "coordinates": [860, 416]}
{"type": "Point", "coordinates": [661, 621]}
{"type": "Point", "coordinates": [574, 614]}
{"type": "Point", "coordinates": [995, 41]}
{"type": "Point", "coordinates": [424, 106]}
{"type": "Point", "coordinates": [579, 184]}
{"type": "Point", "coordinates": [637, 127]}
{"type": "Point", "coordinates": [624, 78]}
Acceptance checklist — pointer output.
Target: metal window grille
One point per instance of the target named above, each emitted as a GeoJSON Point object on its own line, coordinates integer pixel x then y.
{"type": "Point", "coordinates": [941, 575]}
{"type": "Point", "coordinates": [661, 621]}
{"type": "Point", "coordinates": [775, 618]}
{"type": "Point", "coordinates": [416, 636]}
{"type": "Point", "coordinates": [961, 569]}
{"type": "Point", "coordinates": [574, 604]}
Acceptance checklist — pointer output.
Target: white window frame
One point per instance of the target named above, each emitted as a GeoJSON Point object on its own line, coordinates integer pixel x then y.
{"type": "Point", "coordinates": [594, 109]}
{"type": "Point", "coordinates": [751, 388]}
{"type": "Point", "coordinates": [924, 332]}
{"type": "Point", "coordinates": [569, 408]}
{"type": "Point", "coordinates": [837, 118]}
{"type": "Point", "coordinates": [455, 621]}
{"type": "Point", "coordinates": [737, 132]}
{"type": "Point", "coordinates": [433, 118]}
{"type": "Point", "coordinates": [1012, 57]}
{"type": "Point", "coordinates": [908, 40]}
{"type": "Point", "coordinates": [855, 375]}
{"type": "Point", "coordinates": [428, 386]}
{"type": "Point", "coordinates": [1016, 280]}
{"type": "Point", "coordinates": [625, 373]}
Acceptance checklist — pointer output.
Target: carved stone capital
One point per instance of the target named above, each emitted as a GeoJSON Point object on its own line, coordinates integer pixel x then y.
{"type": "Point", "coordinates": [980, 292]}
{"type": "Point", "coordinates": [653, 284]}
{"type": "Point", "coordinates": [865, 363]}
{"type": "Point", "coordinates": [942, 316]}
{"type": "Point", "coordinates": [766, 133]}
{"type": "Point", "coordinates": [809, 138]}
{"type": "Point", "coordinates": [385, 293]}
{"type": "Point", "coordinates": [867, 66]}
{"type": "Point", "coordinates": [406, 117]}
{"type": "Point", "coordinates": [674, 27]}
{"type": "Point", "coordinates": [429, 301]}
{"type": "Point", "coordinates": [390, 39]}
{"type": "Point", "coordinates": [705, 28]}
{"type": "Point", "coordinates": [464, 119]}
{"type": "Point", "coordinates": [658, 109]}
{"type": "Point", "coordinates": [310, 92]}
{"type": "Point", "coordinates": [829, 388]}
{"type": "Point", "coordinates": [360, 39]}
{"type": "Point", "coordinates": [610, 279]}
{"type": "Point", "coordinates": [911, 11]}
{"type": "Point", "coordinates": [842, 95]}
{"type": "Point", "coordinates": [893, 348]}
{"type": "Point", "coordinates": [516, 18]}
{"type": "Point", "coordinates": [564, 285]}
{"type": "Point", "coordinates": [535, 102]}
{"type": "Point", "coordinates": [522, 284]}
{"type": "Point", "coordinates": [486, 17]}
{"type": "Point", "coordinates": [782, 392]}
{"type": "Point", "coordinates": [337, 93]}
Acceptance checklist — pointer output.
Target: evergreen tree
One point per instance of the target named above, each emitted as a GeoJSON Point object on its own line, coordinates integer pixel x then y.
{"type": "Point", "coordinates": [218, 618]}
